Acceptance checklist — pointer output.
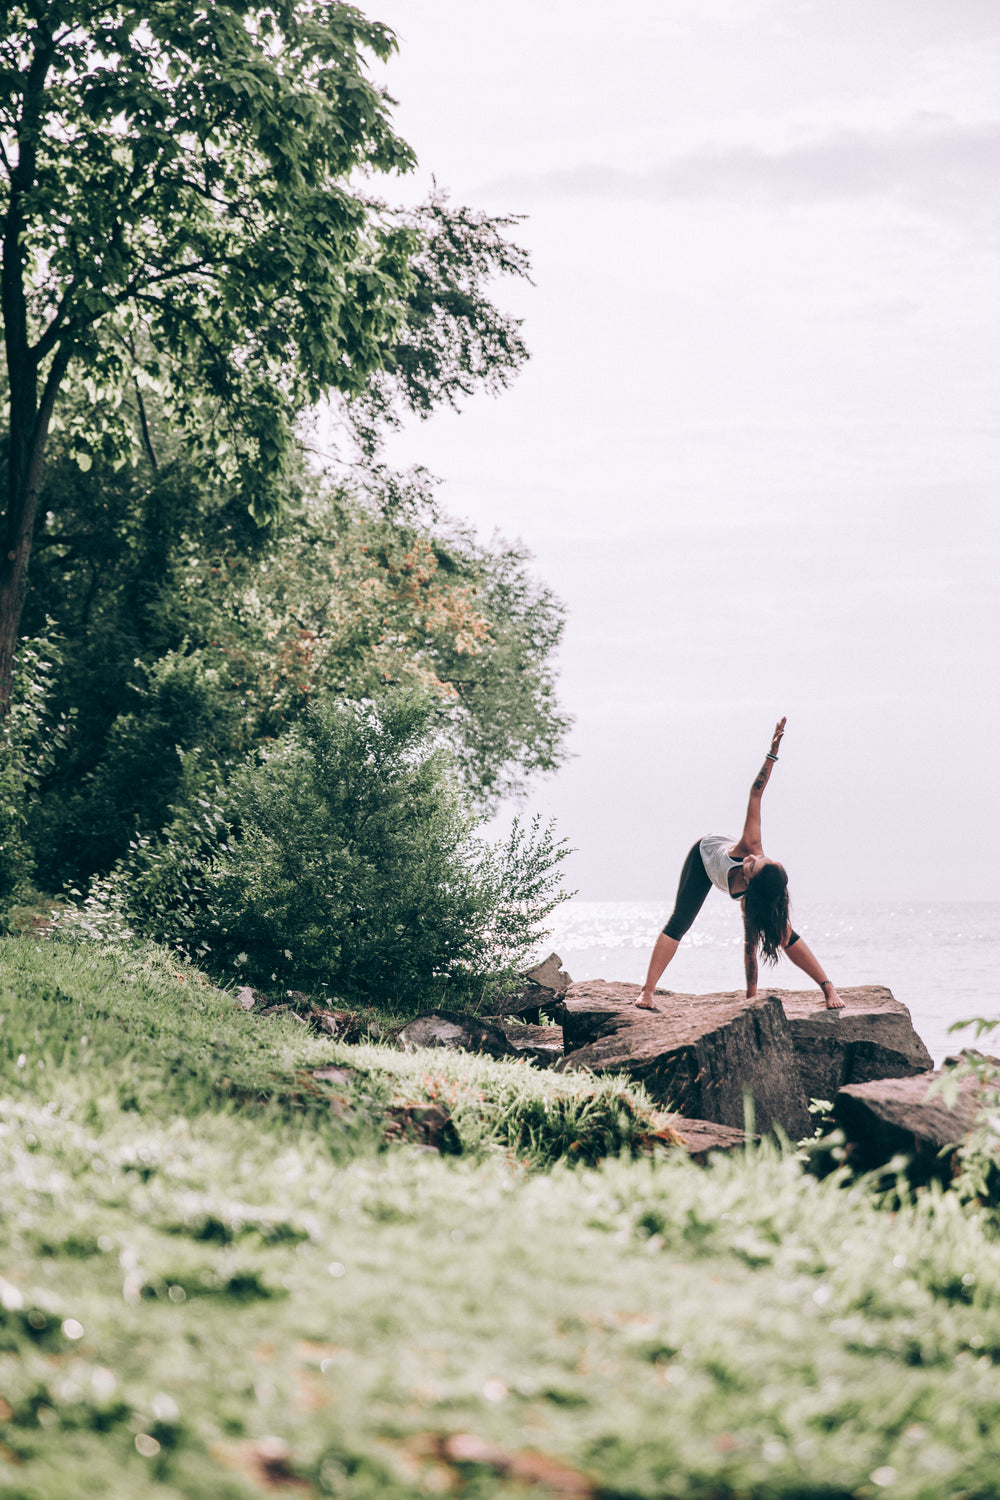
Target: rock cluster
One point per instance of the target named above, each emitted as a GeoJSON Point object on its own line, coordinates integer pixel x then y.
{"type": "Point", "coordinates": [715, 1061]}
{"type": "Point", "coordinates": [710, 1058]}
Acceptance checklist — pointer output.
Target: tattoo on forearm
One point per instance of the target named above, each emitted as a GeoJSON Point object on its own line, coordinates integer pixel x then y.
{"type": "Point", "coordinates": [761, 781]}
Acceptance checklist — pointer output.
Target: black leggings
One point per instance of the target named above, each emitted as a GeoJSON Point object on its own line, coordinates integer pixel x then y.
{"type": "Point", "coordinates": [693, 886]}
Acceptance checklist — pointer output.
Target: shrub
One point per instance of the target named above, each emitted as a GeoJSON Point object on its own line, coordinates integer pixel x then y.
{"type": "Point", "coordinates": [977, 1161]}
{"type": "Point", "coordinates": [347, 855]}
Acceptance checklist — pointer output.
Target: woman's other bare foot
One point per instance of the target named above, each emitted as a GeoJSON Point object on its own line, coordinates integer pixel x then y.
{"type": "Point", "coordinates": [646, 1001]}
{"type": "Point", "coordinates": [833, 1000]}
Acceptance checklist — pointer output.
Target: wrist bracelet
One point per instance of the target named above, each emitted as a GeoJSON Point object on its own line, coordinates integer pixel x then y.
{"type": "Point", "coordinates": [769, 756]}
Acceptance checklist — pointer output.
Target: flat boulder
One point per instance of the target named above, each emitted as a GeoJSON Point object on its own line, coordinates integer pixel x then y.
{"type": "Point", "coordinates": [697, 1054]}
{"type": "Point", "coordinates": [900, 1117]}
{"type": "Point", "coordinates": [445, 1028]}
{"type": "Point", "coordinates": [872, 1037]}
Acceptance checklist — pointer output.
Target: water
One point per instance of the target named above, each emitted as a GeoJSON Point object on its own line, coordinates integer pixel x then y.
{"type": "Point", "coordinates": [942, 959]}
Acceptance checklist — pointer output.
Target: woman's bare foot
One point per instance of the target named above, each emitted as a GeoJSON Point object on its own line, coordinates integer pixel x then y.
{"type": "Point", "coordinates": [646, 1001]}
{"type": "Point", "coordinates": [833, 1000]}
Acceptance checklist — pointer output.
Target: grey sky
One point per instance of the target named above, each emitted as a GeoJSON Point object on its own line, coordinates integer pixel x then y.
{"type": "Point", "coordinates": [756, 449]}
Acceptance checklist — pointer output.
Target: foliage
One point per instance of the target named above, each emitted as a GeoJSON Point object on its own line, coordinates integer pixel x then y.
{"type": "Point", "coordinates": [345, 856]}
{"type": "Point", "coordinates": [181, 213]}
{"type": "Point", "coordinates": [978, 1157]}
{"type": "Point", "coordinates": [453, 339]}
{"type": "Point", "coordinates": [349, 598]}
{"type": "Point", "coordinates": [161, 1038]}
{"type": "Point", "coordinates": [536, 1117]}
{"type": "Point", "coordinates": [194, 1296]}
{"type": "Point", "coordinates": [184, 230]}
{"type": "Point", "coordinates": [30, 736]}
{"type": "Point", "coordinates": [154, 758]}
{"type": "Point", "coordinates": [184, 626]}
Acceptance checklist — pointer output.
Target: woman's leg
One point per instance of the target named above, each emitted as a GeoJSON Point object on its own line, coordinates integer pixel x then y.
{"type": "Point", "coordinates": [802, 955]}
{"type": "Point", "coordinates": [692, 889]}
{"type": "Point", "coordinates": [663, 951]}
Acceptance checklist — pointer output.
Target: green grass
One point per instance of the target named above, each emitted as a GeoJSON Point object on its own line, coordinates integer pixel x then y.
{"type": "Point", "coordinates": [130, 1030]}
{"type": "Point", "coordinates": [206, 1296]}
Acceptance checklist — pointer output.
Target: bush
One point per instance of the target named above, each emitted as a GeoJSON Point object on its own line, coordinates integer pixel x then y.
{"type": "Point", "coordinates": [347, 855]}
{"type": "Point", "coordinates": [976, 1166]}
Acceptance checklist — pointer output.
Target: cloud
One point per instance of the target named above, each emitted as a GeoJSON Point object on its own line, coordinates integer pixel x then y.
{"type": "Point", "coordinates": [932, 162]}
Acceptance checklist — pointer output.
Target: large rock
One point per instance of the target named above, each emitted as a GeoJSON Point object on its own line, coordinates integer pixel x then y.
{"type": "Point", "coordinates": [444, 1028]}
{"type": "Point", "coordinates": [698, 1054]}
{"type": "Point", "coordinates": [872, 1037]}
{"type": "Point", "coordinates": [895, 1117]}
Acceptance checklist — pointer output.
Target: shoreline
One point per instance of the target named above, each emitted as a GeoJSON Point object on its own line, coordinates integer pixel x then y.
{"type": "Point", "coordinates": [939, 958]}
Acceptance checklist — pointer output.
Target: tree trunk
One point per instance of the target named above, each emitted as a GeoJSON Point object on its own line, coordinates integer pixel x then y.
{"type": "Point", "coordinates": [29, 417]}
{"type": "Point", "coordinates": [12, 590]}
{"type": "Point", "coordinates": [29, 429]}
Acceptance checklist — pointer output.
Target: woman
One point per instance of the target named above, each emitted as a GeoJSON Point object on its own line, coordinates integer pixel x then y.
{"type": "Point", "coordinates": [742, 871]}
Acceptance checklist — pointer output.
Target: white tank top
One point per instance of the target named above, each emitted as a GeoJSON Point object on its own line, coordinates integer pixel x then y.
{"type": "Point", "coordinates": [718, 861]}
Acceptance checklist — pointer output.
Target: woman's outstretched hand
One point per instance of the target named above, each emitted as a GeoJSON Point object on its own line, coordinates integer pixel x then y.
{"type": "Point", "coordinates": [779, 730]}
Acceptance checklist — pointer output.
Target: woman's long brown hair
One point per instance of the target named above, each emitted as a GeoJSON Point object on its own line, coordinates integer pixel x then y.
{"type": "Point", "coordinates": [765, 907]}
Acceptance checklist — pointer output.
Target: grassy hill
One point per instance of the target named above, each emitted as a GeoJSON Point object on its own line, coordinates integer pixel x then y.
{"type": "Point", "coordinates": [217, 1280]}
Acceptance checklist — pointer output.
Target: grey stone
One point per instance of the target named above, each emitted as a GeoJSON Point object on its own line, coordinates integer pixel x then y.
{"type": "Point", "coordinates": [539, 993]}
{"type": "Point", "coordinates": [345, 1025]}
{"type": "Point", "coordinates": [550, 974]}
{"type": "Point", "coordinates": [334, 1074]}
{"type": "Point", "coordinates": [699, 1138]}
{"type": "Point", "coordinates": [427, 1125]}
{"type": "Point", "coordinates": [443, 1028]}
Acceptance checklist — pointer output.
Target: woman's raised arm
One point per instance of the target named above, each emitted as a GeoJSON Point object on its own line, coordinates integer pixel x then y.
{"type": "Point", "coordinates": [749, 842]}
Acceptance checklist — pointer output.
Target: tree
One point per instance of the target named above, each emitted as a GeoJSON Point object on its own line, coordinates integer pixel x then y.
{"type": "Point", "coordinates": [180, 219]}
{"type": "Point", "coordinates": [189, 637]}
